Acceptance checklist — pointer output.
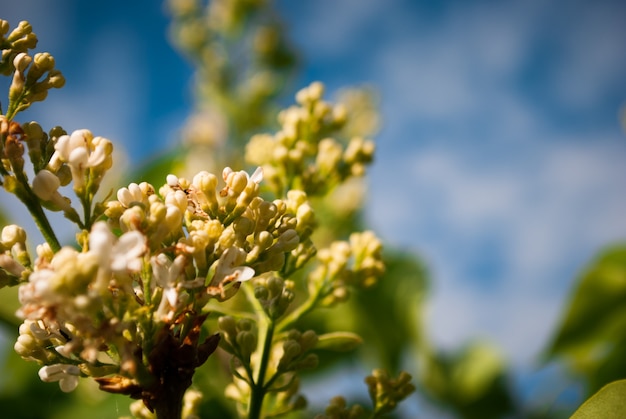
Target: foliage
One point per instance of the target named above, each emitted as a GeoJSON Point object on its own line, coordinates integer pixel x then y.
{"type": "Point", "coordinates": [607, 403]}
{"type": "Point", "coordinates": [592, 335]}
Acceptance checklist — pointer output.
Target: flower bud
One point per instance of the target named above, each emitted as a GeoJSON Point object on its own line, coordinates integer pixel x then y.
{"type": "Point", "coordinates": [45, 185]}
{"type": "Point", "coordinates": [247, 343]}
{"type": "Point", "coordinates": [12, 234]}
{"type": "Point", "coordinates": [310, 361]}
{"type": "Point", "coordinates": [4, 27]}
{"type": "Point", "coordinates": [308, 340]}
{"type": "Point", "coordinates": [228, 325]}
{"type": "Point", "coordinates": [21, 61]}
{"type": "Point", "coordinates": [23, 29]}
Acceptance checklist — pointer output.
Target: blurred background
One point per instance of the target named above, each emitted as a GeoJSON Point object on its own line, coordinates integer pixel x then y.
{"type": "Point", "coordinates": [500, 157]}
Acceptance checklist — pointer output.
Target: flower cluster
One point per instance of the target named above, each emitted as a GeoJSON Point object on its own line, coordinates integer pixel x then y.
{"type": "Point", "coordinates": [307, 153]}
{"type": "Point", "coordinates": [99, 311]}
{"type": "Point", "coordinates": [243, 61]}
{"type": "Point", "coordinates": [15, 261]}
{"type": "Point", "coordinates": [385, 393]}
{"type": "Point", "coordinates": [34, 75]}
{"type": "Point", "coordinates": [132, 302]}
{"type": "Point", "coordinates": [356, 263]}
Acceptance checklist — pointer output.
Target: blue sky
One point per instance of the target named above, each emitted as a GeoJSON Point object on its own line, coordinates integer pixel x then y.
{"type": "Point", "coordinates": [501, 158]}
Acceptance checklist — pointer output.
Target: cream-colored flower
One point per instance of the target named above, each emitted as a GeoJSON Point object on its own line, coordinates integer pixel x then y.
{"type": "Point", "coordinates": [66, 374]}
{"type": "Point", "coordinates": [46, 186]}
{"type": "Point", "coordinates": [118, 255]}
{"type": "Point", "coordinates": [168, 275]}
{"type": "Point", "coordinates": [229, 274]}
{"type": "Point", "coordinates": [80, 151]}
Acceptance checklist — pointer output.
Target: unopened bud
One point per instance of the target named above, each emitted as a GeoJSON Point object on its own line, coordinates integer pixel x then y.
{"type": "Point", "coordinates": [228, 325]}
{"type": "Point", "coordinates": [12, 234]}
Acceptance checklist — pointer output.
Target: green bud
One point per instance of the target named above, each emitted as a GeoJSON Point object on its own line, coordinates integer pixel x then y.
{"type": "Point", "coordinates": [291, 349]}
{"type": "Point", "coordinates": [310, 361]}
{"type": "Point", "coordinates": [275, 285]}
{"type": "Point", "coordinates": [294, 335]}
{"type": "Point", "coordinates": [247, 342]}
{"type": "Point", "coordinates": [261, 293]}
{"type": "Point", "coordinates": [244, 324]}
{"type": "Point", "coordinates": [228, 325]}
{"type": "Point", "coordinates": [308, 340]}
{"type": "Point", "coordinates": [278, 306]}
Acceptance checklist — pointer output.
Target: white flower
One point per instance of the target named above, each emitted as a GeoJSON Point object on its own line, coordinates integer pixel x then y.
{"type": "Point", "coordinates": [46, 187]}
{"type": "Point", "coordinates": [168, 276]}
{"type": "Point", "coordinates": [11, 265]}
{"type": "Point", "coordinates": [66, 374]}
{"type": "Point", "coordinates": [118, 255]}
{"type": "Point", "coordinates": [12, 234]}
{"type": "Point", "coordinates": [255, 177]}
{"type": "Point", "coordinates": [229, 274]}
{"type": "Point", "coordinates": [134, 193]}
{"type": "Point", "coordinates": [167, 273]}
{"type": "Point", "coordinates": [227, 269]}
{"type": "Point", "coordinates": [80, 151]}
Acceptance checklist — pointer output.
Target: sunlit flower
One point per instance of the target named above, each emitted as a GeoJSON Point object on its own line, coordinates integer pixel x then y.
{"type": "Point", "coordinates": [80, 151]}
{"type": "Point", "coordinates": [66, 374]}
{"type": "Point", "coordinates": [118, 255]}
{"type": "Point", "coordinates": [229, 273]}
{"type": "Point", "coordinates": [46, 186]}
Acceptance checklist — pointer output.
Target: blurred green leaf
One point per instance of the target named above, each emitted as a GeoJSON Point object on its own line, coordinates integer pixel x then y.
{"type": "Point", "coordinates": [592, 336]}
{"type": "Point", "coordinates": [471, 381]}
{"type": "Point", "coordinates": [9, 303]}
{"type": "Point", "coordinates": [608, 403]}
{"type": "Point", "coordinates": [338, 341]}
{"type": "Point", "coordinates": [389, 315]}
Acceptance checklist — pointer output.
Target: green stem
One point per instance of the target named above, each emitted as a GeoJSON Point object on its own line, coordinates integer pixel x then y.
{"type": "Point", "coordinates": [258, 387]}
{"type": "Point", "coordinates": [14, 105]}
{"type": "Point", "coordinates": [28, 198]}
{"type": "Point", "coordinates": [266, 327]}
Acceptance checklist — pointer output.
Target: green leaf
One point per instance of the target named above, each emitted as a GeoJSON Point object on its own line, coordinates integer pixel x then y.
{"type": "Point", "coordinates": [472, 381]}
{"type": "Point", "coordinates": [339, 341]}
{"type": "Point", "coordinates": [592, 336]}
{"type": "Point", "coordinates": [599, 301]}
{"type": "Point", "coordinates": [9, 303]}
{"type": "Point", "coordinates": [608, 403]}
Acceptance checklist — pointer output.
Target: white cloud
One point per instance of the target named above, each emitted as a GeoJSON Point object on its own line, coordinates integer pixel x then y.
{"type": "Point", "coordinates": [516, 179]}
{"type": "Point", "coordinates": [335, 26]}
{"type": "Point", "coordinates": [569, 205]}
